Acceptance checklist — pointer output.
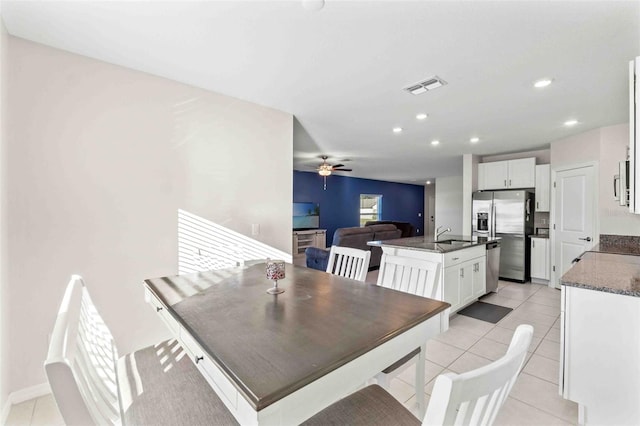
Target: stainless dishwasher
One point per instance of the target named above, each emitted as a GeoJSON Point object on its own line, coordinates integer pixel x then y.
{"type": "Point", "coordinates": [493, 265]}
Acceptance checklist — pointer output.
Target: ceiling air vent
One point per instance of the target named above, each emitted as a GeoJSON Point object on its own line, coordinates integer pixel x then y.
{"type": "Point", "coordinates": [425, 86]}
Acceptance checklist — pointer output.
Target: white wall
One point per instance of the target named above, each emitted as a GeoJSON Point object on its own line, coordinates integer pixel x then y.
{"type": "Point", "coordinates": [4, 282]}
{"type": "Point", "coordinates": [607, 146]}
{"type": "Point", "coordinates": [543, 156]}
{"type": "Point", "coordinates": [101, 158]}
{"type": "Point", "coordinates": [469, 185]}
{"type": "Point", "coordinates": [429, 209]}
{"type": "Point", "coordinates": [449, 203]}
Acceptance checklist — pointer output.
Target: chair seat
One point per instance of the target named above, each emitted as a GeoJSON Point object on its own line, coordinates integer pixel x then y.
{"type": "Point", "coordinates": [371, 406]}
{"type": "Point", "coordinates": [159, 385]}
{"type": "Point", "coordinates": [399, 363]}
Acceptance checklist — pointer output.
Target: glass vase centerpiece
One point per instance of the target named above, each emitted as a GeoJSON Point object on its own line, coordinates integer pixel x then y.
{"type": "Point", "coordinates": [275, 272]}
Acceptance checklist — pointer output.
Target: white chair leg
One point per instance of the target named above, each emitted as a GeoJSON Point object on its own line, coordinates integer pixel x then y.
{"type": "Point", "coordinates": [383, 380]}
{"type": "Point", "coordinates": [420, 366]}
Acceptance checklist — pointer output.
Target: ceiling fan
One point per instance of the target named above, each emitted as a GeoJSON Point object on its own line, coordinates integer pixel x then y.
{"type": "Point", "coordinates": [325, 169]}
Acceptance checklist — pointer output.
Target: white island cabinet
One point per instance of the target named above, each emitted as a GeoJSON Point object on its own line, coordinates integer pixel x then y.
{"type": "Point", "coordinates": [462, 277]}
{"type": "Point", "coordinates": [600, 339]}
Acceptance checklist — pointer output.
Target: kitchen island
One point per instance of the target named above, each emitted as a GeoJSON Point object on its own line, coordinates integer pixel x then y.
{"type": "Point", "coordinates": [600, 335]}
{"type": "Point", "coordinates": [462, 262]}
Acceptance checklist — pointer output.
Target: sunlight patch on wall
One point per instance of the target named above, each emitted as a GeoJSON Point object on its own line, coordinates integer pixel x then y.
{"type": "Point", "coordinates": [204, 245]}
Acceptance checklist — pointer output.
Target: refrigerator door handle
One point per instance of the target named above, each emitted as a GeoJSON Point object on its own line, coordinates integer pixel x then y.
{"type": "Point", "coordinates": [528, 206]}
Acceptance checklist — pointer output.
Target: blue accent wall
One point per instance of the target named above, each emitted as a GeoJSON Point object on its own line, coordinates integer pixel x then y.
{"type": "Point", "coordinates": [340, 203]}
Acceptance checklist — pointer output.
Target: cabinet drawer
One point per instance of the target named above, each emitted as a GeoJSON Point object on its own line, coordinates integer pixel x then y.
{"type": "Point", "coordinates": [161, 310]}
{"type": "Point", "coordinates": [459, 256]}
{"type": "Point", "coordinates": [211, 372]}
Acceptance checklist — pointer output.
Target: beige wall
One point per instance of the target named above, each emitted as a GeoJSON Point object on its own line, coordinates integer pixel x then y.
{"type": "Point", "coordinates": [101, 159]}
{"type": "Point", "coordinates": [607, 146]}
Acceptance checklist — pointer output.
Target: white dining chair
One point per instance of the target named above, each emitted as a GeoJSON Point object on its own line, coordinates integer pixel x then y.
{"type": "Point", "coordinates": [349, 262]}
{"type": "Point", "coordinates": [414, 276]}
{"type": "Point", "coordinates": [471, 398]}
{"type": "Point", "coordinates": [157, 385]}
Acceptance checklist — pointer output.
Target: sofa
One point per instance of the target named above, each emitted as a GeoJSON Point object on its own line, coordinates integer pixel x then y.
{"type": "Point", "coordinates": [356, 237]}
{"type": "Point", "coordinates": [408, 230]}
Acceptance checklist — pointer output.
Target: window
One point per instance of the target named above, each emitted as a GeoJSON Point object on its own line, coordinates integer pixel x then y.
{"type": "Point", "coordinates": [370, 208]}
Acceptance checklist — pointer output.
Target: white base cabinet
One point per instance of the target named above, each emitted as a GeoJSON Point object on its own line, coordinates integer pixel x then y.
{"type": "Point", "coordinates": [462, 273]}
{"type": "Point", "coordinates": [600, 353]}
{"type": "Point", "coordinates": [539, 259]}
{"type": "Point", "coordinates": [465, 282]}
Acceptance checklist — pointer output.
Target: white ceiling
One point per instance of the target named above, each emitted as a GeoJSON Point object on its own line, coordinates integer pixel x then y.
{"type": "Point", "coordinates": [341, 70]}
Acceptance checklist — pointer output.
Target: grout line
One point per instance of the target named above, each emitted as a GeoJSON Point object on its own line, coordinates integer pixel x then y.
{"type": "Point", "coordinates": [540, 409]}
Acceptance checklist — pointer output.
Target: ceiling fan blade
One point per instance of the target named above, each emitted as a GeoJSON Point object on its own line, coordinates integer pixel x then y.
{"type": "Point", "coordinates": [342, 170]}
{"type": "Point", "coordinates": [335, 166]}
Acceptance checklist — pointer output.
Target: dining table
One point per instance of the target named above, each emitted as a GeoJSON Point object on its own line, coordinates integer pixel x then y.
{"type": "Point", "coordinates": [279, 359]}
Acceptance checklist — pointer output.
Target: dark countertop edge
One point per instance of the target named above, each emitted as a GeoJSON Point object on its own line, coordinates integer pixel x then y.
{"type": "Point", "coordinates": [546, 237]}
{"type": "Point", "coordinates": [448, 248]}
{"type": "Point", "coordinates": [601, 288]}
{"type": "Point", "coordinates": [278, 395]}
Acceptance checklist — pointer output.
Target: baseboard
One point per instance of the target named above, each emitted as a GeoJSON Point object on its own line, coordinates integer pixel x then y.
{"type": "Point", "coordinates": [539, 281]}
{"type": "Point", "coordinates": [23, 395]}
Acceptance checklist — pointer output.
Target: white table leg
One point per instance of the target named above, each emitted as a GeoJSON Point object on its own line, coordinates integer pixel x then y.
{"type": "Point", "coordinates": [420, 381]}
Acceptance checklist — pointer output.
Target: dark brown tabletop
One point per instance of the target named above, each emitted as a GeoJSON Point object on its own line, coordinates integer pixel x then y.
{"type": "Point", "coordinates": [270, 346]}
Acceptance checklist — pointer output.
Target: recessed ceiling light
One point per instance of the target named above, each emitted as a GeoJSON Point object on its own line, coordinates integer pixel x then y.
{"type": "Point", "coordinates": [428, 182]}
{"type": "Point", "coordinates": [397, 129]}
{"type": "Point", "coordinates": [474, 140]}
{"type": "Point", "coordinates": [570, 123]}
{"type": "Point", "coordinates": [435, 142]}
{"type": "Point", "coordinates": [542, 83]}
{"type": "Point", "coordinates": [421, 116]}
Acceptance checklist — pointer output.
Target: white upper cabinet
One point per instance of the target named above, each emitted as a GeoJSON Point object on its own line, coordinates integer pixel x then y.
{"type": "Point", "coordinates": [510, 174]}
{"type": "Point", "coordinates": [543, 180]}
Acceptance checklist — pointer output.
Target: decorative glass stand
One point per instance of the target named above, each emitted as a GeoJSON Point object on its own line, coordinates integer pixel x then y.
{"type": "Point", "coordinates": [275, 272]}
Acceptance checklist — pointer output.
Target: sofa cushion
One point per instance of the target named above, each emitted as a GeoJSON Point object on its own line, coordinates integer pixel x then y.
{"type": "Point", "coordinates": [406, 228]}
{"type": "Point", "coordinates": [355, 237]}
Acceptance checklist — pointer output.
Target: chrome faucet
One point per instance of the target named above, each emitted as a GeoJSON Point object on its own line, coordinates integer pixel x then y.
{"type": "Point", "coordinates": [438, 232]}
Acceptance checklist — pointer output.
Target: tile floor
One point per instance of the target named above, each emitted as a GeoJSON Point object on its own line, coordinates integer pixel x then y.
{"type": "Point", "coordinates": [468, 344]}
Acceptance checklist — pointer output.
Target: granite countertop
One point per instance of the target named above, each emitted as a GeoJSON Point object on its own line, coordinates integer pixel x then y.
{"type": "Point", "coordinates": [608, 272]}
{"type": "Point", "coordinates": [458, 242]}
{"type": "Point", "coordinates": [618, 244]}
{"type": "Point", "coordinates": [545, 236]}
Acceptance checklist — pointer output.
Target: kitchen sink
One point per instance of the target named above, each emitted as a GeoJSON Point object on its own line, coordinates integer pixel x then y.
{"type": "Point", "coordinates": [453, 242]}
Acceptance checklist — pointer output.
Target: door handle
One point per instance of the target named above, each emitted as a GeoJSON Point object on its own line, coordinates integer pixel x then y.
{"type": "Point", "coordinates": [461, 272]}
{"type": "Point", "coordinates": [585, 239]}
{"type": "Point", "coordinates": [505, 183]}
{"type": "Point", "coordinates": [533, 243]}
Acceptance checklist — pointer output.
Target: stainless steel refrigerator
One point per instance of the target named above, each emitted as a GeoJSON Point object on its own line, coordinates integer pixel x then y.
{"type": "Point", "coordinates": [508, 215]}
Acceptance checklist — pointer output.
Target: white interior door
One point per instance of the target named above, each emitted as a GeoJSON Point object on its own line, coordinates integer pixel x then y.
{"type": "Point", "coordinates": [574, 221]}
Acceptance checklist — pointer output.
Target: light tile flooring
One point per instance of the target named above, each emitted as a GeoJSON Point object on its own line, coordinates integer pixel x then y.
{"type": "Point", "coordinates": [471, 343]}
{"type": "Point", "coordinates": [468, 344]}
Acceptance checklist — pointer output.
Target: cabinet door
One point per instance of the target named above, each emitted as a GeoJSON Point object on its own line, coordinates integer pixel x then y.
{"type": "Point", "coordinates": [479, 268]}
{"type": "Point", "coordinates": [466, 282]}
{"type": "Point", "coordinates": [494, 175]}
{"type": "Point", "coordinates": [452, 286]}
{"type": "Point", "coordinates": [522, 173]}
{"type": "Point", "coordinates": [543, 179]}
{"type": "Point", "coordinates": [539, 258]}
{"type": "Point", "coordinates": [320, 240]}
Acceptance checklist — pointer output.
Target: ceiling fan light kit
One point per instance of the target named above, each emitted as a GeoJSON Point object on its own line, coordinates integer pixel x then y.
{"type": "Point", "coordinates": [325, 169]}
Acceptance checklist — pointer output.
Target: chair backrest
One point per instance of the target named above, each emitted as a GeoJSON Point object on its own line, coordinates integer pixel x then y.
{"type": "Point", "coordinates": [475, 397]}
{"type": "Point", "coordinates": [415, 276]}
{"type": "Point", "coordinates": [349, 262]}
{"type": "Point", "coordinates": [81, 363]}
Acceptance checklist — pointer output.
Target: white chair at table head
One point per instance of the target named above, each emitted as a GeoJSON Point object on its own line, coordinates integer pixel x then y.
{"type": "Point", "coordinates": [92, 386]}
